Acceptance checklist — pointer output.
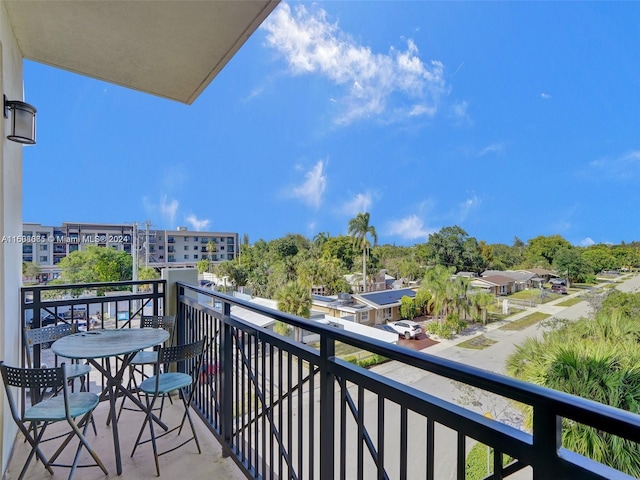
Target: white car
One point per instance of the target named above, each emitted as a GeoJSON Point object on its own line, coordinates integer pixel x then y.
{"type": "Point", "coordinates": [407, 328]}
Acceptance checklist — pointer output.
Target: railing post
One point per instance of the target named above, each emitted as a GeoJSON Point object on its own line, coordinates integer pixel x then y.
{"type": "Point", "coordinates": [327, 408]}
{"type": "Point", "coordinates": [156, 298]}
{"type": "Point", "coordinates": [226, 382]}
{"type": "Point", "coordinates": [36, 322]}
{"type": "Point", "coordinates": [547, 440]}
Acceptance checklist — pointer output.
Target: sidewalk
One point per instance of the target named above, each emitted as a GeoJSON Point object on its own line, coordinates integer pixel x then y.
{"type": "Point", "coordinates": [551, 308]}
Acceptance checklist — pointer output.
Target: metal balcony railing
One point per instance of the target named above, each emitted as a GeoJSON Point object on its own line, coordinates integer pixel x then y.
{"type": "Point", "coordinates": [283, 409]}
{"type": "Point", "coordinates": [90, 305]}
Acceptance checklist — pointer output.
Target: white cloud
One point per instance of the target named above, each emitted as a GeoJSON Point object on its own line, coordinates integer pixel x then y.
{"type": "Point", "coordinates": [468, 206]}
{"type": "Point", "coordinates": [197, 224]}
{"type": "Point", "coordinates": [587, 242]}
{"type": "Point", "coordinates": [409, 228]}
{"type": "Point", "coordinates": [358, 204]}
{"type": "Point", "coordinates": [256, 92]}
{"type": "Point", "coordinates": [545, 96]}
{"type": "Point", "coordinates": [625, 167]}
{"type": "Point", "coordinates": [312, 45]}
{"type": "Point", "coordinates": [313, 188]}
{"type": "Point", "coordinates": [497, 148]}
{"type": "Point", "coordinates": [460, 114]}
{"type": "Point", "coordinates": [165, 208]}
{"type": "Point", "coordinates": [168, 209]}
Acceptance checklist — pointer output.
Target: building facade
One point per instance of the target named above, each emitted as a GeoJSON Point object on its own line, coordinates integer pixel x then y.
{"type": "Point", "coordinates": [45, 246]}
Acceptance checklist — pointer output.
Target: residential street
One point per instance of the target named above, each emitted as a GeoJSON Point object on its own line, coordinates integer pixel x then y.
{"type": "Point", "coordinates": [491, 358]}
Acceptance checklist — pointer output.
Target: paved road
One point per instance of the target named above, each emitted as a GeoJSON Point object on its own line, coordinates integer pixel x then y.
{"type": "Point", "coordinates": [492, 358]}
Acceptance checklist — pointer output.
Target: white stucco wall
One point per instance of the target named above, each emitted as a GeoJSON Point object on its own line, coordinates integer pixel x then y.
{"type": "Point", "coordinates": [11, 84]}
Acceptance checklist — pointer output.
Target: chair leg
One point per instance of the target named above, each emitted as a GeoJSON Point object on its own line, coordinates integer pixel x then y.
{"type": "Point", "coordinates": [35, 449]}
{"type": "Point", "coordinates": [187, 415]}
{"type": "Point", "coordinates": [80, 434]}
{"type": "Point", "coordinates": [148, 419]}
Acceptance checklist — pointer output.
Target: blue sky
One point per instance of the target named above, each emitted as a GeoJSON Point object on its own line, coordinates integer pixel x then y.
{"type": "Point", "coordinates": [505, 118]}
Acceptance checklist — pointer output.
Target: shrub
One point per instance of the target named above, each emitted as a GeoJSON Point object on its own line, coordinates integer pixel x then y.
{"type": "Point", "coordinates": [443, 330]}
{"type": "Point", "coordinates": [282, 328]}
{"type": "Point", "coordinates": [477, 462]}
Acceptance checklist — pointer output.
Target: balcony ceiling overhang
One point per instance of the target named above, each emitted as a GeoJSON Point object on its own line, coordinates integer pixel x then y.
{"type": "Point", "coordinates": [169, 48]}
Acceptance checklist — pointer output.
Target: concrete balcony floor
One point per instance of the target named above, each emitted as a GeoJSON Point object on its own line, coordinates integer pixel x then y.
{"type": "Point", "coordinates": [183, 463]}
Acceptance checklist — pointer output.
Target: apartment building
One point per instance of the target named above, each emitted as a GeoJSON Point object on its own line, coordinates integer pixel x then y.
{"type": "Point", "coordinates": [47, 245]}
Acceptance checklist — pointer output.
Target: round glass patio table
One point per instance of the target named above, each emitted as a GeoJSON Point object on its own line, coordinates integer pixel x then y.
{"type": "Point", "coordinates": [97, 347]}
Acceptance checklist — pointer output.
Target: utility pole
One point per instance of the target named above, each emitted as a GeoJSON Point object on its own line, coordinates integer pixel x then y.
{"type": "Point", "coordinates": [134, 254]}
{"type": "Point", "coordinates": [146, 244]}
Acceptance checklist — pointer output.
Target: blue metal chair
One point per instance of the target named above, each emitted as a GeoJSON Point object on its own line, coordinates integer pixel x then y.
{"type": "Point", "coordinates": [66, 407]}
{"type": "Point", "coordinates": [44, 337]}
{"type": "Point", "coordinates": [190, 356]}
{"type": "Point", "coordinates": [147, 357]}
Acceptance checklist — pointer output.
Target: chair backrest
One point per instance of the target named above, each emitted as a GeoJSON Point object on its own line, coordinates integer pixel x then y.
{"type": "Point", "coordinates": [48, 335]}
{"type": "Point", "coordinates": [158, 321]}
{"type": "Point", "coordinates": [36, 380]}
{"type": "Point", "coordinates": [167, 322]}
{"type": "Point", "coordinates": [182, 353]}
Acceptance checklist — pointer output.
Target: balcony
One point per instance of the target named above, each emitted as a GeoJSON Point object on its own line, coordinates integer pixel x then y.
{"type": "Point", "coordinates": [209, 464]}
{"type": "Point", "coordinates": [282, 409]}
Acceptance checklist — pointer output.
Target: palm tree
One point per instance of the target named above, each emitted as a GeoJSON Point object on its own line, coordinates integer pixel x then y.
{"type": "Point", "coordinates": [595, 358]}
{"type": "Point", "coordinates": [359, 229]}
{"type": "Point", "coordinates": [295, 298]}
{"type": "Point", "coordinates": [320, 239]}
{"type": "Point", "coordinates": [211, 249]}
{"type": "Point", "coordinates": [481, 301]}
{"type": "Point", "coordinates": [461, 287]}
{"type": "Point", "coordinates": [437, 281]}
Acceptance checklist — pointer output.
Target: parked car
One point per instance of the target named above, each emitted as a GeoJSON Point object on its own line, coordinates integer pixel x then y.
{"type": "Point", "coordinates": [79, 313]}
{"type": "Point", "coordinates": [559, 289]}
{"type": "Point", "coordinates": [45, 321]}
{"type": "Point", "coordinates": [407, 328]}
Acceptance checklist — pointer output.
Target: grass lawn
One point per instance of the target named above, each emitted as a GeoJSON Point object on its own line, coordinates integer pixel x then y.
{"type": "Point", "coordinates": [525, 294]}
{"type": "Point", "coordinates": [477, 343]}
{"type": "Point", "coordinates": [342, 349]}
{"type": "Point", "coordinates": [525, 322]}
{"type": "Point", "coordinates": [569, 302]}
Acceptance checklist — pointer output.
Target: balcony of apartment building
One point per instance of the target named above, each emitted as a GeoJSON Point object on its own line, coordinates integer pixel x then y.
{"type": "Point", "coordinates": [269, 406]}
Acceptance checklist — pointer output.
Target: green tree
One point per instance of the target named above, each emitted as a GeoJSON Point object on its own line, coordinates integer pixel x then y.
{"type": "Point", "coordinates": [601, 257]}
{"type": "Point", "coordinates": [360, 230]}
{"type": "Point", "coordinates": [96, 264]}
{"type": "Point", "coordinates": [148, 273]}
{"type": "Point", "coordinates": [408, 308]}
{"type": "Point", "coordinates": [569, 262]}
{"type": "Point", "coordinates": [542, 250]}
{"type": "Point", "coordinates": [480, 302]}
{"type": "Point", "coordinates": [211, 249]}
{"type": "Point", "coordinates": [595, 358]}
{"type": "Point", "coordinates": [342, 249]}
{"type": "Point", "coordinates": [452, 247]}
{"type": "Point", "coordinates": [294, 298]}
{"type": "Point", "coordinates": [319, 240]}
{"type": "Point", "coordinates": [203, 265]}
{"type": "Point", "coordinates": [460, 292]}
{"type": "Point", "coordinates": [437, 281]}
{"type": "Point", "coordinates": [30, 269]}
{"type": "Point", "coordinates": [621, 303]}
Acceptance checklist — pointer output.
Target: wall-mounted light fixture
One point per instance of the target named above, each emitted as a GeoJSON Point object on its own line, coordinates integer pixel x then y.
{"type": "Point", "coordinates": [23, 121]}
